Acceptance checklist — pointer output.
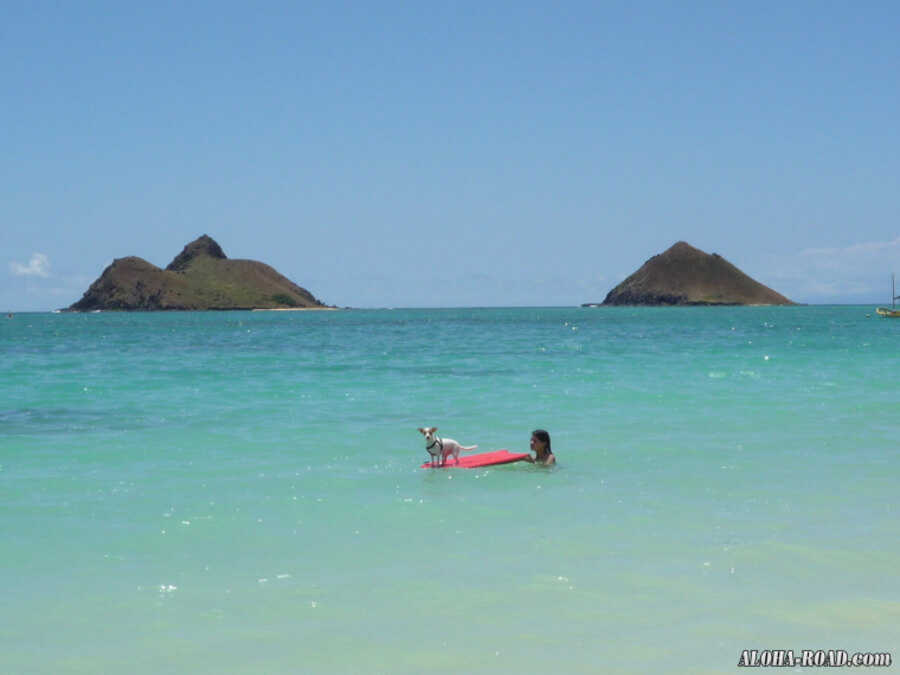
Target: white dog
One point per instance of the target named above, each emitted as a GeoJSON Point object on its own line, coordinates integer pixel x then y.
{"type": "Point", "coordinates": [441, 448]}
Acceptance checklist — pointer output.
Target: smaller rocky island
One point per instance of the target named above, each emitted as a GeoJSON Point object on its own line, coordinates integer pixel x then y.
{"type": "Point", "coordinates": [201, 277]}
{"type": "Point", "coordinates": [684, 275]}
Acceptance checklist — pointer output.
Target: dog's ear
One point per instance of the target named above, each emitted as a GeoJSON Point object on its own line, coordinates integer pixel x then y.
{"type": "Point", "coordinates": [433, 429]}
{"type": "Point", "coordinates": [421, 430]}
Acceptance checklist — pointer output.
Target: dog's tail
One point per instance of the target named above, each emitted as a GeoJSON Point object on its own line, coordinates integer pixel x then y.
{"type": "Point", "coordinates": [468, 447]}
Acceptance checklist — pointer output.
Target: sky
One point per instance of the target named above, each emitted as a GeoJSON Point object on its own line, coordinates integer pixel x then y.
{"type": "Point", "coordinates": [451, 153]}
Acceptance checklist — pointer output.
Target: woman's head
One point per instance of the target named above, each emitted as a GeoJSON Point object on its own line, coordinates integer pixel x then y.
{"type": "Point", "coordinates": [542, 437]}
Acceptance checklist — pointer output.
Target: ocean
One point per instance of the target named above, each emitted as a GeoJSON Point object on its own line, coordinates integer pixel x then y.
{"type": "Point", "coordinates": [236, 492]}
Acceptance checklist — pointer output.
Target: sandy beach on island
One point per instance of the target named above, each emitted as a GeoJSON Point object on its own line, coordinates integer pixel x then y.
{"type": "Point", "coordinates": [296, 309]}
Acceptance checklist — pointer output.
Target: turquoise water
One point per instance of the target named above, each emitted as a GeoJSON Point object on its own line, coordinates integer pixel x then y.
{"type": "Point", "coordinates": [240, 492]}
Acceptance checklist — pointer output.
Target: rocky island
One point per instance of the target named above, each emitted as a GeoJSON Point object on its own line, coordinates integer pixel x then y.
{"type": "Point", "coordinates": [684, 275]}
{"type": "Point", "coordinates": [201, 277]}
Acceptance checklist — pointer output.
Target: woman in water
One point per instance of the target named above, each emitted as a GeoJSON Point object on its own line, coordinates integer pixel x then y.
{"type": "Point", "coordinates": [540, 444]}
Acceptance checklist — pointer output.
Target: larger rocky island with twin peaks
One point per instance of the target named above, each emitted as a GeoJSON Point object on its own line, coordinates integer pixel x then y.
{"type": "Point", "coordinates": [201, 277]}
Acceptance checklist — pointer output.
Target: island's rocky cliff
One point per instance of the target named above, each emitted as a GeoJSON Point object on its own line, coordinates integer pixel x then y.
{"type": "Point", "coordinates": [684, 275]}
{"type": "Point", "coordinates": [201, 277]}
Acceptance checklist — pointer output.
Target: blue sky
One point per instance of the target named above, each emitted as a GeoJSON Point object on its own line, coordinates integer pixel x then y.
{"type": "Point", "coordinates": [397, 154]}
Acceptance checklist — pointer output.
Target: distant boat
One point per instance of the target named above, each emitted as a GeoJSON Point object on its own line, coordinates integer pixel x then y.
{"type": "Point", "coordinates": [893, 312]}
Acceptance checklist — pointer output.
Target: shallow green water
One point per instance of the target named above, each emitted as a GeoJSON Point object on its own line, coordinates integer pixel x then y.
{"type": "Point", "coordinates": [227, 492]}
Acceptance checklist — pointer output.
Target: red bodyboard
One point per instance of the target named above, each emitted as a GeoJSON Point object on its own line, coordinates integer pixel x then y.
{"type": "Point", "coordinates": [481, 459]}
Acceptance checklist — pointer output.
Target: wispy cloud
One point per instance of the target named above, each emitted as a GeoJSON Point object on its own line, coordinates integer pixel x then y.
{"type": "Point", "coordinates": [38, 266]}
{"type": "Point", "coordinates": [838, 272]}
{"type": "Point", "coordinates": [856, 256]}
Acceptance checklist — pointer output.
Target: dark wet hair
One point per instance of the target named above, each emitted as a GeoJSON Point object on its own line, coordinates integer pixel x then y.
{"type": "Point", "coordinates": [543, 437]}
